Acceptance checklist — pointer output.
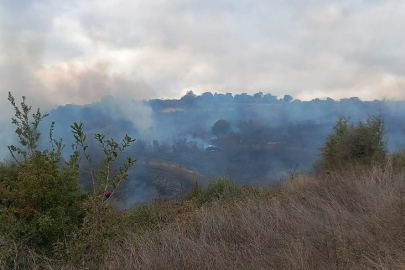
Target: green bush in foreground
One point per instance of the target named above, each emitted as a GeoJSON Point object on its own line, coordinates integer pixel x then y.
{"type": "Point", "coordinates": [100, 218]}
{"type": "Point", "coordinates": [221, 189]}
{"type": "Point", "coordinates": [41, 206]}
{"type": "Point", "coordinates": [151, 215]}
{"type": "Point", "coordinates": [40, 200]}
{"type": "Point", "coordinates": [361, 143]}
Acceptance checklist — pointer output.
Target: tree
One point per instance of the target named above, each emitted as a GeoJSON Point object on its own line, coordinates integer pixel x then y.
{"type": "Point", "coordinates": [287, 98]}
{"type": "Point", "coordinates": [362, 143]}
{"type": "Point", "coordinates": [258, 97]}
{"type": "Point", "coordinates": [189, 99]}
{"type": "Point", "coordinates": [269, 98]}
{"type": "Point", "coordinates": [207, 96]}
{"type": "Point", "coordinates": [243, 98]}
{"type": "Point", "coordinates": [221, 128]}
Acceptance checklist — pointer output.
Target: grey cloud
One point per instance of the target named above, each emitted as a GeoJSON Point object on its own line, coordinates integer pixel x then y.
{"type": "Point", "coordinates": [40, 57]}
{"type": "Point", "coordinates": [303, 48]}
{"type": "Point", "coordinates": [84, 85]}
{"type": "Point", "coordinates": [280, 46]}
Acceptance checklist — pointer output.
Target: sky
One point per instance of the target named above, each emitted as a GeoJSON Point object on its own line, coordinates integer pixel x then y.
{"type": "Point", "coordinates": [77, 51]}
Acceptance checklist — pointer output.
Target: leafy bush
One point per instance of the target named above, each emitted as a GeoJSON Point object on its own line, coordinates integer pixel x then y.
{"type": "Point", "coordinates": [41, 206]}
{"type": "Point", "coordinates": [398, 160]}
{"type": "Point", "coordinates": [151, 215]}
{"type": "Point", "coordinates": [89, 244]}
{"type": "Point", "coordinates": [98, 225]}
{"type": "Point", "coordinates": [195, 191]}
{"type": "Point", "coordinates": [221, 128]}
{"type": "Point", "coordinates": [106, 178]}
{"type": "Point", "coordinates": [221, 189]}
{"type": "Point", "coordinates": [16, 255]}
{"type": "Point", "coordinates": [40, 200]}
{"type": "Point", "coordinates": [362, 143]}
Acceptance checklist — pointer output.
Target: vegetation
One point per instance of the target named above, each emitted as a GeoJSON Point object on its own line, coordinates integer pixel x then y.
{"type": "Point", "coordinates": [40, 200]}
{"type": "Point", "coordinates": [41, 206]}
{"type": "Point", "coordinates": [269, 135]}
{"type": "Point", "coordinates": [221, 189]}
{"type": "Point", "coordinates": [349, 218]}
{"type": "Point", "coordinates": [345, 220]}
{"type": "Point", "coordinates": [221, 128]}
{"type": "Point", "coordinates": [362, 143]}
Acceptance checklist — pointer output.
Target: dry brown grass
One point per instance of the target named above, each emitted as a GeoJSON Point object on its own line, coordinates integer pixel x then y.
{"type": "Point", "coordinates": [353, 219]}
{"type": "Point", "coordinates": [348, 220]}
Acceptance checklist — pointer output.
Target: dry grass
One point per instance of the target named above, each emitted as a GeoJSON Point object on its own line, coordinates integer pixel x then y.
{"type": "Point", "coordinates": [348, 220]}
{"type": "Point", "coordinates": [353, 219]}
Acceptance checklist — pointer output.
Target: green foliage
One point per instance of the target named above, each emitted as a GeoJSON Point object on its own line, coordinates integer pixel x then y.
{"type": "Point", "coordinates": [40, 200]}
{"type": "Point", "coordinates": [41, 206]}
{"type": "Point", "coordinates": [221, 189]}
{"type": "Point", "coordinates": [15, 255]}
{"type": "Point", "coordinates": [149, 216]}
{"type": "Point", "coordinates": [89, 244]}
{"type": "Point", "coordinates": [221, 128]}
{"type": "Point", "coordinates": [195, 191]}
{"type": "Point", "coordinates": [98, 225]}
{"type": "Point", "coordinates": [92, 241]}
{"type": "Point", "coordinates": [362, 143]}
{"type": "Point", "coordinates": [107, 178]}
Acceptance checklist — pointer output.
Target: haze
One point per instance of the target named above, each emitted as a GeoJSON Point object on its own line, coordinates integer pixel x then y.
{"type": "Point", "coordinates": [62, 52]}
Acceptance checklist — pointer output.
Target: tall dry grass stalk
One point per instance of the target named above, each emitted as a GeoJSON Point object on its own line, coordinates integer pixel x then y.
{"type": "Point", "coordinates": [352, 219]}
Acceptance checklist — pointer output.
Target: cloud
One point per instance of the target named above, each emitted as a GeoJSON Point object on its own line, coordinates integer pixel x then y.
{"type": "Point", "coordinates": [83, 85]}
{"type": "Point", "coordinates": [77, 51]}
{"type": "Point", "coordinates": [46, 55]}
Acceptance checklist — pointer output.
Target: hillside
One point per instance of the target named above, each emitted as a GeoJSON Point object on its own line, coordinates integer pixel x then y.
{"type": "Point", "coordinates": [343, 220]}
{"type": "Point", "coordinates": [346, 220]}
{"type": "Point", "coordinates": [262, 137]}
{"type": "Point", "coordinates": [348, 214]}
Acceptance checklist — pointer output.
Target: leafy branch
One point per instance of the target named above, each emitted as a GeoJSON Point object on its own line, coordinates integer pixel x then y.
{"type": "Point", "coordinates": [27, 131]}
{"type": "Point", "coordinates": [107, 178]}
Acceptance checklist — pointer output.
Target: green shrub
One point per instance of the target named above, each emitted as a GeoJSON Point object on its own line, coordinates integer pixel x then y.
{"type": "Point", "coordinates": [362, 143]}
{"type": "Point", "coordinates": [221, 189]}
{"type": "Point", "coordinates": [195, 191]}
{"type": "Point", "coordinates": [40, 200]}
{"type": "Point", "coordinates": [15, 255]}
{"type": "Point", "coordinates": [149, 216]}
{"type": "Point", "coordinates": [100, 223]}
{"type": "Point", "coordinates": [107, 177]}
{"type": "Point", "coordinates": [89, 244]}
{"type": "Point", "coordinates": [41, 206]}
